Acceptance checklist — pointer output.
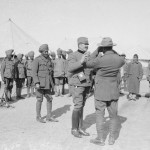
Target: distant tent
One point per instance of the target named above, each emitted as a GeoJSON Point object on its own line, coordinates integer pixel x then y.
{"type": "Point", "coordinates": [13, 37]}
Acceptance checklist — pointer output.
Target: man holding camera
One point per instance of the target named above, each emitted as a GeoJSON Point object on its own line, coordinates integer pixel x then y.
{"type": "Point", "coordinates": [81, 81]}
{"type": "Point", "coordinates": [106, 88]}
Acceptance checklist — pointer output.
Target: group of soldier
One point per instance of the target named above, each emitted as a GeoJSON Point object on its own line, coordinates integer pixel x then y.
{"type": "Point", "coordinates": [48, 74]}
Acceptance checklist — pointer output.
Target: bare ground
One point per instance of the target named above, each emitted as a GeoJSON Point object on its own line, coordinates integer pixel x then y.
{"type": "Point", "coordinates": [20, 131]}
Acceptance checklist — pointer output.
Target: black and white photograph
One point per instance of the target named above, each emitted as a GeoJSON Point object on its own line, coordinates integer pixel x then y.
{"type": "Point", "coordinates": [74, 75]}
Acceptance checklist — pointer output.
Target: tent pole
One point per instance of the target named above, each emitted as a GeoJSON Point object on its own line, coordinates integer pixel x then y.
{"type": "Point", "coordinates": [11, 30]}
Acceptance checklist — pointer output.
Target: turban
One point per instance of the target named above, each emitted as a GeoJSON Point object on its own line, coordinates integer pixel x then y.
{"type": "Point", "coordinates": [19, 56]}
{"type": "Point", "coordinates": [9, 52]}
{"type": "Point", "coordinates": [31, 54]}
{"type": "Point", "coordinates": [83, 40]}
{"type": "Point", "coordinates": [59, 51]}
{"type": "Point", "coordinates": [43, 47]}
{"type": "Point", "coordinates": [53, 54]}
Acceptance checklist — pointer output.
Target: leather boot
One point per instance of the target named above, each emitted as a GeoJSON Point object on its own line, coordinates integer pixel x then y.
{"type": "Point", "coordinates": [32, 92]}
{"type": "Point", "coordinates": [38, 112]}
{"type": "Point", "coordinates": [49, 112]}
{"type": "Point", "coordinates": [81, 131]}
{"type": "Point", "coordinates": [75, 124]}
{"type": "Point", "coordinates": [28, 92]}
{"type": "Point", "coordinates": [61, 90]}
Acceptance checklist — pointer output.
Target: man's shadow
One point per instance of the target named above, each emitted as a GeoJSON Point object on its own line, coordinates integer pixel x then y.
{"type": "Point", "coordinates": [60, 111]}
{"type": "Point", "coordinates": [91, 119]}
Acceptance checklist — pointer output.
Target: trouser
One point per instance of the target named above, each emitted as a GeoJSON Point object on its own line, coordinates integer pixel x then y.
{"type": "Point", "coordinates": [59, 85]}
{"type": "Point", "coordinates": [112, 107]}
{"type": "Point", "coordinates": [8, 88]}
{"type": "Point", "coordinates": [79, 99]}
{"type": "Point", "coordinates": [30, 85]}
{"type": "Point", "coordinates": [40, 93]}
{"type": "Point", "coordinates": [19, 85]}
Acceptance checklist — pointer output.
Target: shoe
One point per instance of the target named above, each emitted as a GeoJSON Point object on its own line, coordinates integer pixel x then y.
{"type": "Point", "coordinates": [111, 140]}
{"type": "Point", "coordinates": [84, 133]}
{"type": "Point", "coordinates": [39, 119]}
{"type": "Point", "coordinates": [76, 133]}
{"type": "Point", "coordinates": [51, 119]}
{"type": "Point", "coordinates": [97, 141]}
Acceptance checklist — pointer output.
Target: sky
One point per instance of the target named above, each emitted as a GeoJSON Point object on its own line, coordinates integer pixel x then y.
{"type": "Point", "coordinates": [58, 22]}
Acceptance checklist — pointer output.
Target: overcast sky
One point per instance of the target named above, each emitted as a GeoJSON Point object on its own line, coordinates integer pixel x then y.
{"type": "Point", "coordinates": [50, 21]}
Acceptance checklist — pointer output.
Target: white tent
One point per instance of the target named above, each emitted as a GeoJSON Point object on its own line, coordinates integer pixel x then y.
{"type": "Point", "coordinates": [13, 37]}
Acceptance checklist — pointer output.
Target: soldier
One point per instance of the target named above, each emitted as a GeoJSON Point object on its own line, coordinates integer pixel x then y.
{"type": "Point", "coordinates": [7, 74]}
{"type": "Point", "coordinates": [20, 75]}
{"type": "Point", "coordinates": [106, 88]}
{"type": "Point", "coordinates": [42, 68]}
{"type": "Point", "coordinates": [29, 66]}
{"type": "Point", "coordinates": [134, 76]}
{"type": "Point", "coordinates": [59, 73]}
{"type": "Point", "coordinates": [81, 80]}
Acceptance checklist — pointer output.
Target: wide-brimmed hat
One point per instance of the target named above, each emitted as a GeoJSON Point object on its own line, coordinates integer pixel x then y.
{"type": "Point", "coordinates": [106, 42]}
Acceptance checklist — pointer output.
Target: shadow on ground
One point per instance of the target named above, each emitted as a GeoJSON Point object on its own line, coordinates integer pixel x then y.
{"type": "Point", "coordinates": [60, 111]}
{"type": "Point", "coordinates": [91, 119]}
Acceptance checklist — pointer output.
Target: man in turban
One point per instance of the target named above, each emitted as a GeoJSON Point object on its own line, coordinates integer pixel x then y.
{"type": "Point", "coordinates": [42, 67]}
{"type": "Point", "coordinates": [7, 73]}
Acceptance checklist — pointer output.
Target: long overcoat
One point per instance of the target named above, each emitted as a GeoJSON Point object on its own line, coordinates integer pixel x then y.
{"type": "Point", "coordinates": [134, 76]}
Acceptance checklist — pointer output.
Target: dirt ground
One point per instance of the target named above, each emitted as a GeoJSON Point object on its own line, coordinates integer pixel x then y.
{"type": "Point", "coordinates": [20, 131]}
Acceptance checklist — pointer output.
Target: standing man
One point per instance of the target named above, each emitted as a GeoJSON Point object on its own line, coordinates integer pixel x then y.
{"type": "Point", "coordinates": [42, 79]}
{"type": "Point", "coordinates": [7, 74]}
{"type": "Point", "coordinates": [59, 73]}
{"type": "Point", "coordinates": [134, 76]}
{"type": "Point", "coordinates": [81, 81]}
{"type": "Point", "coordinates": [106, 88]}
{"type": "Point", "coordinates": [29, 66]}
{"type": "Point", "coordinates": [20, 75]}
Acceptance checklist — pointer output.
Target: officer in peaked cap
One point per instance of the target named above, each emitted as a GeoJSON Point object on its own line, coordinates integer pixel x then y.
{"type": "Point", "coordinates": [29, 66]}
{"type": "Point", "coordinates": [7, 73]}
{"type": "Point", "coordinates": [81, 81]}
{"type": "Point", "coordinates": [106, 87]}
{"type": "Point", "coordinates": [43, 82]}
{"type": "Point", "coordinates": [20, 75]}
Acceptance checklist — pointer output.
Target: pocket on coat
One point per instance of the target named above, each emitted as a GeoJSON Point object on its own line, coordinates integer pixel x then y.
{"type": "Point", "coordinates": [42, 79]}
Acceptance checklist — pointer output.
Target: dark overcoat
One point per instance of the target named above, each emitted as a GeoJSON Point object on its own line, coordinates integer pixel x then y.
{"type": "Point", "coordinates": [106, 80]}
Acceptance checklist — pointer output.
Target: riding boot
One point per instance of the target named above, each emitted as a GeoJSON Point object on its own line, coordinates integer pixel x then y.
{"type": "Point", "coordinates": [38, 112]}
{"type": "Point", "coordinates": [81, 130]}
{"type": "Point", "coordinates": [75, 124]}
{"type": "Point", "coordinates": [61, 90]}
{"type": "Point", "coordinates": [49, 112]}
{"type": "Point", "coordinates": [28, 92]}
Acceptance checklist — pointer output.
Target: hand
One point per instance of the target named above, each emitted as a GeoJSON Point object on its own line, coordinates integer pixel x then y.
{"type": "Point", "coordinates": [84, 58]}
{"type": "Point", "coordinates": [37, 86]}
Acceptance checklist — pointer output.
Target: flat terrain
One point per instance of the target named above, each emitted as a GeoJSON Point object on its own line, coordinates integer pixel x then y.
{"type": "Point", "coordinates": [20, 131]}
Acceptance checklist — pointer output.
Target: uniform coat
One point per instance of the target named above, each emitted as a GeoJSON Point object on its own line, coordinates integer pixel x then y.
{"type": "Point", "coordinates": [42, 69]}
{"type": "Point", "coordinates": [75, 68]}
{"type": "Point", "coordinates": [108, 65]}
{"type": "Point", "coordinates": [59, 67]}
{"type": "Point", "coordinates": [134, 76]}
{"type": "Point", "coordinates": [29, 66]}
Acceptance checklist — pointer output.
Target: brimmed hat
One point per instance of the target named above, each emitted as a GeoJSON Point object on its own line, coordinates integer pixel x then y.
{"type": "Point", "coordinates": [43, 47]}
{"type": "Point", "coordinates": [9, 52]}
{"type": "Point", "coordinates": [31, 54]}
{"type": "Point", "coordinates": [106, 42]}
{"type": "Point", "coordinates": [83, 40]}
{"type": "Point", "coordinates": [19, 56]}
